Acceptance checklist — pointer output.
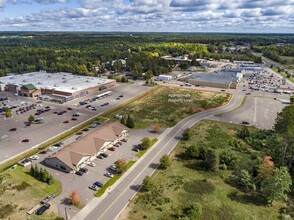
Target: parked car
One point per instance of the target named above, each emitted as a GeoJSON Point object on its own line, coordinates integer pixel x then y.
{"type": "Point", "coordinates": [79, 173]}
{"type": "Point", "coordinates": [43, 152]}
{"type": "Point", "coordinates": [120, 143]}
{"type": "Point", "coordinates": [74, 119]}
{"type": "Point", "coordinates": [48, 198]}
{"type": "Point", "coordinates": [121, 96]}
{"type": "Point", "coordinates": [25, 140]}
{"type": "Point", "coordinates": [84, 170]}
{"type": "Point", "coordinates": [113, 167]}
{"type": "Point", "coordinates": [110, 175]}
{"type": "Point", "coordinates": [69, 108]}
{"type": "Point", "coordinates": [79, 133]}
{"type": "Point", "coordinates": [34, 157]}
{"type": "Point", "coordinates": [111, 149]}
{"type": "Point", "coordinates": [42, 209]}
{"type": "Point", "coordinates": [65, 122]}
{"type": "Point", "coordinates": [12, 129]}
{"type": "Point", "coordinates": [100, 156]}
{"type": "Point", "coordinates": [99, 184]}
{"type": "Point", "coordinates": [94, 187]}
{"type": "Point", "coordinates": [124, 140]}
{"type": "Point", "coordinates": [104, 155]}
{"type": "Point", "coordinates": [86, 129]}
{"type": "Point", "coordinates": [116, 145]}
{"type": "Point", "coordinates": [245, 123]}
{"type": "Point", "coordinates": [91, 164]}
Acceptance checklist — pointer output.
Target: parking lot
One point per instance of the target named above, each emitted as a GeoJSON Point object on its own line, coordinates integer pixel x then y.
{"type": "Point", "coordinates": [81, 184]}
{"type": "Point", "coordinates": [11, 141]}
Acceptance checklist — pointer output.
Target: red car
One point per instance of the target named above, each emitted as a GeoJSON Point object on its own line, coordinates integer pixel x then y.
{"type": "Point", "coordinates": [12, 129]}
{"type": "Point", "coordinates": [111, 149]}
{"type": "Point", "coordinates": [25, 140]}
{"type": "Point", "coordinates": [65, 122]}
{"type": "Point", "coordinates": [79, 133]}
{"type": "Point", "coordinates": [43, 152]}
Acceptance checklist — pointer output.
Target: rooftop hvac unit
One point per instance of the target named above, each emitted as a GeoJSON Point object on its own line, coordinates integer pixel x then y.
{"type": "Point", "coordinates": [24, 80]}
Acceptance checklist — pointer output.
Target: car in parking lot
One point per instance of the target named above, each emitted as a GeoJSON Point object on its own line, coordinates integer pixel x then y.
{"type": "Point", "coordinates": [104, 155]}
{"type": "Point", "coordinates": [74, 119]}
{"type": "Point", "coordinates": [65, 122]}
{"type": "Point", "coordinates": [48, 198]}
{"type": "Point", "coordinates": [79, 133]}
{"type": "Point", "coordinates": [94, 187]}
{"type": "Point", "coordinates": [121, 96]}
{"type": "Point", "coordinates": [119, 142]}
{"type": "Point", "coordinates": [86, 129]}
{"type": "Point", "coordinates": [34, 157]}
{"type": "Point", "coordinates": [79, 173]}
{"type": "Point", "coordinates": [97, 183]}
{"type": "Point", "coordinates": [69, 108]}
{"type": "Point", "coordinates": [110, 175]}
{"type": "Point", "coordinates": [42, 209]}
{"type": "Point", "coordinates": [245, 123]}
{"type": "Point", "coordinates": [25, 140]}
{"type": "Point", "coordinates": [84, 170]}
{"type": "Point", "coordinates": [111, 149]}
{"type": "Point", "coordinates": [113, 167]}
{"type": "Point", "coordinates": [91, 164]}
{"type": "Point", "coordinates": [124, 140]}
{"type": "Point", "coordinates": [43, 152]}
{"type": "Point", "coordinates": [12, 129]}
{"type": "Point", "coordinates": [116, 145]}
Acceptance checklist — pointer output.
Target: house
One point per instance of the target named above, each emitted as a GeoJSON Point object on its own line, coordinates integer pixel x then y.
{"type": "Point", "coordinates": [77, 154]}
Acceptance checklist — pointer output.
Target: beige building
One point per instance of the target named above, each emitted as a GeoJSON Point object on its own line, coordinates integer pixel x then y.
{"type": "Point", "coordinates": [77, 154]}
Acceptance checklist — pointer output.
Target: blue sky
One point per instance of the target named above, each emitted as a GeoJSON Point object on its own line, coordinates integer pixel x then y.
{"type": "Point", "coordinates": [247, 16]}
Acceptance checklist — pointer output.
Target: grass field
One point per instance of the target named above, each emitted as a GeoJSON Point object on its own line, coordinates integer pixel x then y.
{"type": "Point", "coordinates": [20, 192]}
{"type": "Point", "coordinates": [168, 105]}
{"type": "Point", "coordinates": [184, 183]}
{"type": "Point", "coordinates": [289, 62]}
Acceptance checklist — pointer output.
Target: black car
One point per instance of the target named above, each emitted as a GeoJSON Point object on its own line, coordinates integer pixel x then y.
{"type": "Point", "coordinates": [86, 129]}
{"type": "Point", "coordinates": [79, 173]}
{"type": "Point", "coordinates": [104, 155]}
{"type": "Point", "coordinates": [121, 96]}
{"type": "Point", "coordinates": [245, 123]}
{"type": "Point", "coordinates": [100, 156]}
{"type": "Point", "coordinates": [84, 170]}
{"type": "Point", "coordinates": [42, 209]}
{"type": "Point", "coordinates": [99, 184]}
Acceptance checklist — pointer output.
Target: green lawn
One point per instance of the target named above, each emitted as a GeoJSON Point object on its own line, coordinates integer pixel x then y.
{"type": "Point", "coordinates": [21, 192]}
{"type": "Point", "coordinates": [184, 183]}
{"type": "Point", "coordinates": [168, 105]}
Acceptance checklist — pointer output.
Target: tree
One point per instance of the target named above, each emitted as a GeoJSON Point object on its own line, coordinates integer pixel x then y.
{"type": "Point", "coordinates": [74, 198]}
{"type": "Point", "coordinates": [165, 162]}
{"type": "Point", "coordinates": [130, 123]}
{"type": "Point", "coordinates": [147, 184]}
{"type": "Point", "coordinates": [276, 187]}
{"type": "Point", "coordinates": [8, 113]}
{"type": "Point", "coordinates": [121, 166]}
{"type": "Point", "coordinates": [186, 134]}
{"type": "Point", "coordinates": [123, 120]}
{"type": "Point", "coordinates": [37, 172]}
{"type": "Point", "coordinates": [228, 157]}
{"type": "Point", "coordinates": [266, 168]}
{"type": "Point", "coordinates": [195, 211]}
{"type": "Point", "coordinates": [292, 99]}
{"type": "Point", "coordinates": [243, 133]}
{"type": "Point", "coordinates": [146, 143]}
{"type": "Point", "coordinates": [31, 118]}
{"type": "Point", "coordinates": [156, 128]}
{"type": "Point", "coordinates": [245, 180]}
{"type": "Point", "coordinates": [32, 170]}
{"type": "Point", "coordinates": [211, 161]}
{"type": "Point", "coordinates": [148, 75]}
{"type": "Point", "coordinates": [284, 126]}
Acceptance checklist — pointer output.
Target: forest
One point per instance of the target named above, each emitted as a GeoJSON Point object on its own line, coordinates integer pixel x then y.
{"type": "Point", "coordinates": [94, 53]}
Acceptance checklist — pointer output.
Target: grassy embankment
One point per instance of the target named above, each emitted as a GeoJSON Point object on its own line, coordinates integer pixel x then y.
{"type": "Point", "coordinates": [20, 192]}
{"type": "Point", "coordinates": [185, 182]}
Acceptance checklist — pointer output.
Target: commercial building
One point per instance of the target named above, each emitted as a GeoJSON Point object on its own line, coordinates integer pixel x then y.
{"type": "Point", "coordinates": [226, 80]}
{"type": "Point", "coordinates": [60, 87]}
{"type": "Point", "coordinates": [76, 155]}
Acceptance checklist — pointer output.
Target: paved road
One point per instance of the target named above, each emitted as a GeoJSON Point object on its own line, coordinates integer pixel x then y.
{"type": "Point", "coordinates": [112, 205]}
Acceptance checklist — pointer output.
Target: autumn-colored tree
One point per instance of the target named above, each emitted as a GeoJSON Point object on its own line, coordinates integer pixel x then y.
{"type": "Point", "coordinates": [266, 168]}
{"type": "Point", "coordinates": [156, 128]}
{"type": "Point", "coordinates": [74, 198]}
{"type": "Point", "coordinates": [121, 166]}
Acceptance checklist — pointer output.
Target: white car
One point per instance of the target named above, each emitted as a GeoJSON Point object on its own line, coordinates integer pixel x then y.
{"type": "Point", "coordinates": [52, 148]}
{"type": "Point", "coordinates": [91, 164]}
{"type": "Point", "coordinates": [110, 175]}
{"type": "Point", "coordinates": [94, 187]}
{"type": "Point", "coordinates": [34, 157]}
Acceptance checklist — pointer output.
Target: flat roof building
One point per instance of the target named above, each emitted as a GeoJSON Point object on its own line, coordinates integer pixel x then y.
{"type": "Point", "coordinates": [60, 84]}
{"type": "Point", "coordinates": [226, 80]}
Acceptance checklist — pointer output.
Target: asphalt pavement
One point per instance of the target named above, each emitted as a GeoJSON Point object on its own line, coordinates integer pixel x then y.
{"type": "Point", "coordinates": [119, 195]}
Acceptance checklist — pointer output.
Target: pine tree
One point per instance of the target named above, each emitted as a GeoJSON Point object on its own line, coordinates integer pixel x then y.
{"type": "Point", "coordinates": [37, 172]}
{"type": "Point", "coordinates": [32, 170]}
{"type": "Point", "coordinates": [130, 122]}
{"type": "Point", "coordinates": [123, 120]}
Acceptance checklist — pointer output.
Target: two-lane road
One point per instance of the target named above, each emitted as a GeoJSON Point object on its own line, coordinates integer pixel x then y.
{"type": "Point", "coordinates": [109, 207]}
